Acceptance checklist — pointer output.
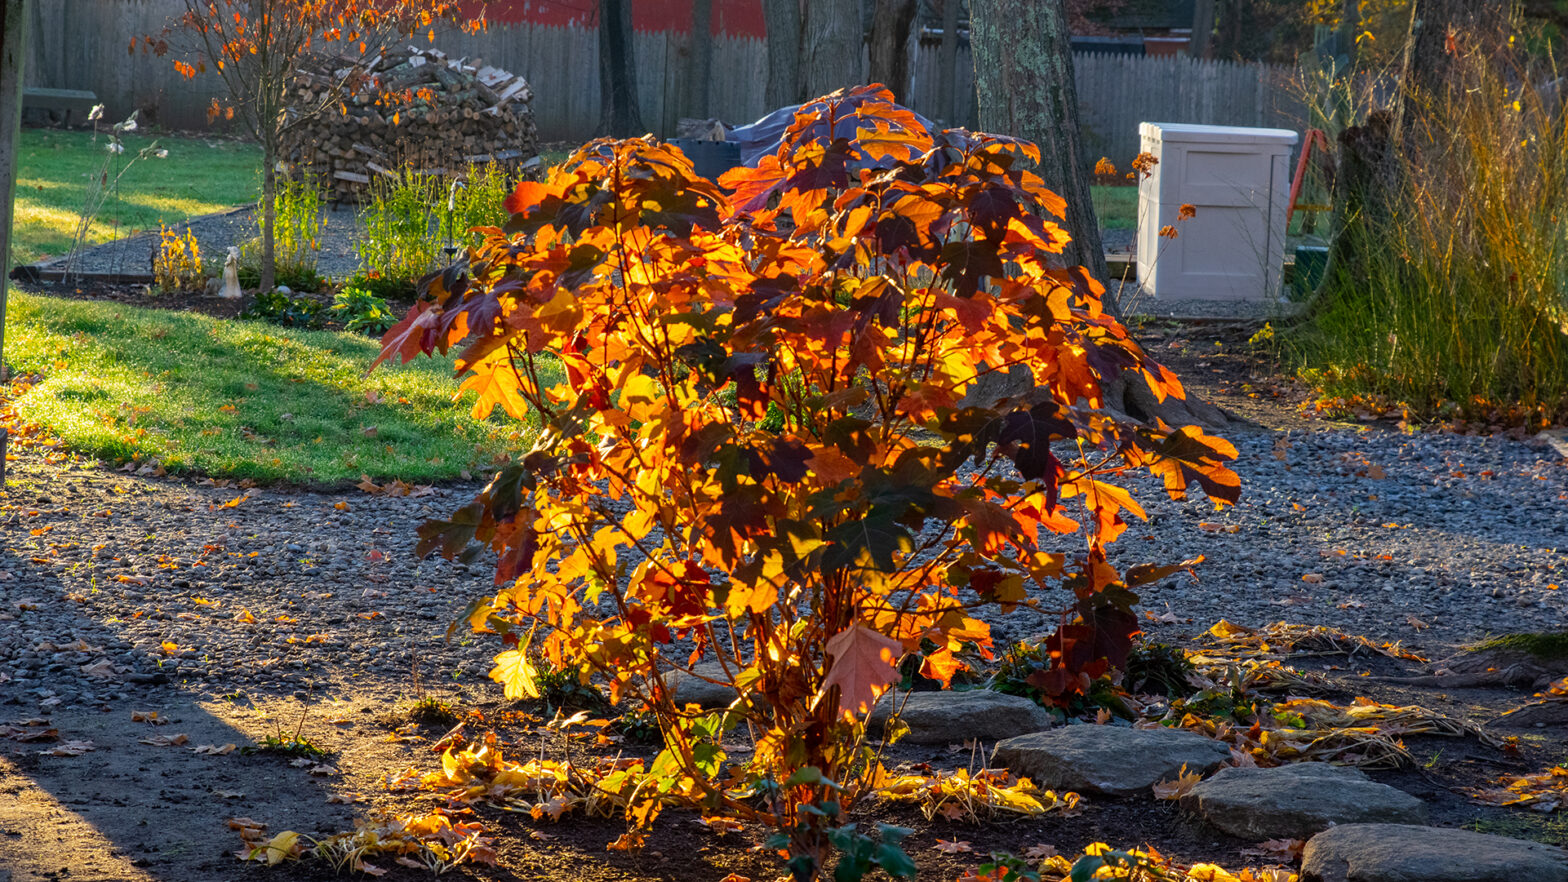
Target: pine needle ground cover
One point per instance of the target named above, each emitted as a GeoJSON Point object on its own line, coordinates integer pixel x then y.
{"type": "Point", "coordinates": [199, 176]}
{"type": "Point", "coordinates": [238, 399]}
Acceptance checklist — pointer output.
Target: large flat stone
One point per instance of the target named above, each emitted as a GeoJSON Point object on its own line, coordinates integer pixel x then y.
{"type": "Point", "coordinates": [948, 717]}
{"type": "Point", "coordinates": [1404, 853]}
{"type": "Point", "coordinates": [1296, 801]}
{"type": "Point", "coordinates": [1108, 760]}
{"type": "Point", "coordinates": [686, 689]}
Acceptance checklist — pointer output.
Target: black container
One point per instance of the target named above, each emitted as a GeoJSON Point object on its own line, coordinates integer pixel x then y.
{"type": "Point", "coordinates": [711, 158]}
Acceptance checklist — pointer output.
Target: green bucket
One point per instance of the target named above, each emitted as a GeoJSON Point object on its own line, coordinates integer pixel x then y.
{"type": "Point", "coordinates": [1311, 261]}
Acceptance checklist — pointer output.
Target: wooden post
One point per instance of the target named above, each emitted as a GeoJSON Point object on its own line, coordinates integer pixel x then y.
{"type": "Point", "coordinates": [13, 51]}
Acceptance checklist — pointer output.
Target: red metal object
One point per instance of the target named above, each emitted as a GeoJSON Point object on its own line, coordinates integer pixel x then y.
{"type": "Point", "coordinates": [736, 18]}
{"type": "Point", "coordinates": [1314, 136]}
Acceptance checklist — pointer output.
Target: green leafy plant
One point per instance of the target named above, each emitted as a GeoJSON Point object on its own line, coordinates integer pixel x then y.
{"type": "Point", "coordinates": [400, 220]}
{"type": "Point", "coordinates": [297, 231]}
{"type": "Point", "coordinates": [433, 711]}
{"type": "Point", "coordinates": [361, 311]}
{"type": "Point", "coordinates": [871, 288]}
{"type": "Point", "coordinates": [281, 309]}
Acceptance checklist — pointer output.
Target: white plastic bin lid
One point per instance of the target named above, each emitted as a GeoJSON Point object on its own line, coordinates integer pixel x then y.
{"type": "Point", "coordinates": [1192, 133]}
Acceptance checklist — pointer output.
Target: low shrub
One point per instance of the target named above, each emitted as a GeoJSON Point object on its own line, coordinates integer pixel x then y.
{"type": "Point", "coordinates": [868, 289]}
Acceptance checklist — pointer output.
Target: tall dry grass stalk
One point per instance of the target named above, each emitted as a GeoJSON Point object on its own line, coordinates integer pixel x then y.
{"type": "Point", "coordinates": [1457, 305]}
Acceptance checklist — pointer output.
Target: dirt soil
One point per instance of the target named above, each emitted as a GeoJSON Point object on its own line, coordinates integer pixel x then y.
{"type": "Point", "coordinates": [131, 810]}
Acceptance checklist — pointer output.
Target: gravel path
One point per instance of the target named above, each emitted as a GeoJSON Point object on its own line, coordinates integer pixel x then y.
{"type": "Point", "coordinates": [335, 257]}
{"type": "Point", "coordinates": [313, 595]}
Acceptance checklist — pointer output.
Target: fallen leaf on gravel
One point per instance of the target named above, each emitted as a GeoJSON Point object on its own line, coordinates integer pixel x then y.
{"type": "Point", "coordinates": [132, 580]}
{"type": "Point", "coordinates": [541, 836]}
{"type": "Point", "coordinates": [169, 647]}
{"type": "Point", "coordinates": [245, 618]}
{"type": "Point", "coordinates": [1176, 789]}
{"type": "Point", "coordinates": [342, 721]}
{"type": "Point", "coordinates": [147, 717]}
{"type": "Point", "coordinates": [214, 750]}
{"type": "Point", "coordinates": [1417, 623]}
{"type": "Point", "coordinates": [302, 762]}
{"type": "Point", "coordinates": [1207, 527]}
{"type": "Point", "coordinates": [165, 740]}
{"type": "Point", "coordinates": [1376, 473]}
{"type": "Point", "coordinates": [1278, 849]}
{"type": "Point", "coordinates": [1312, 578]}
{"type": "Point", "coordinates": [322, 770]}
{"type": "Point", "coordinates": [31, 734]}
{"type": "Point", "coordinates": [1282, 447]}
{"type": "Point", "coordinates": [1352, 604]}
{"type": "Point", "coordinates": [69, 748]}
{"type": "Point", "coordinates": [369, 869]}
{"type": "Point", "coordinates": [952, 846]}
{"type": "Point", "coordinates": [1040, 852]}
{"type": "Point", "coordinates": [228, 794]}
{"type": "Point", "coordinates": [100, 669]}
{"type": "Point", "coordinates": [80, 645]}
{"type": "Point", "coordinates": [232, 503]}
{"type": "Point", "coordinates": [344, 798]}
{"type": "Point", "coordinates": [340, 506]}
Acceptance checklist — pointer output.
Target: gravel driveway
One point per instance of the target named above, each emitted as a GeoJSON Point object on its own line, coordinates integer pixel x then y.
{"type": "Point", "coordinates": [115, 585]}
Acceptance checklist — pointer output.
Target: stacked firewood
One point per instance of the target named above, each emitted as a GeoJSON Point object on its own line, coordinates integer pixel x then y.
{"type": "Point", "coordinates": [406, 109]}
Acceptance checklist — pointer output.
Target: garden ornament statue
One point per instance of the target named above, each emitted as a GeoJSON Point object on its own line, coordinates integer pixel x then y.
{"type": "Point", "coordinates": [231, 275]}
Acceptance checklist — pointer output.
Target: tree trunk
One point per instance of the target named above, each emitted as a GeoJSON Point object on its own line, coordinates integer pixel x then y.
{"type": "Point", "coordinates": [1024, 80]}
{"type": "Point", "coordinates": [831, 46]}
{"type": "Point", "coordinates": [618, 114]}
{"type": "Point", "coordinates": [1024, 77]}
{"type": "Point", "coordinates": [13, 55]}
{"type": "Point", "coordinates": [947, 65]}
{"type": "Point", "coordinates": [889, 44]}
{"type": "Point", "coordinates": [701, 70]}
{"type": "Point", "coordinates": [269, 212]}
{"type": "Point", "coordinates": [782, 18]}
{"type": "Point", "coordinates": [1202, 28]}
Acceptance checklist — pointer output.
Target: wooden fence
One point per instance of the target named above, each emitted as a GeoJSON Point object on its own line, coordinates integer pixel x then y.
{"type": "Point", "coordinates": [82, 44]}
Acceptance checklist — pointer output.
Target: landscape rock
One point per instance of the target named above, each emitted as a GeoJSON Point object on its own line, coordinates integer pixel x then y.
{"type": "Point", "coordinates": [688, 689]}
{"type": "Point", "coordinates": [1108, 760]}
{"type": "Point", "coordinates": [1296, 801]}
{"type": "Point", "coordinates": [1405, 853]}
{"type": "Point", "coordinates": [949, 717]}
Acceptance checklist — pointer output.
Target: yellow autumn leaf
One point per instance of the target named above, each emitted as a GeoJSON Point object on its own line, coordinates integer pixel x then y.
{"type": "Point", "coordinates": [281, 847]}
{"type": "Point", "coordinates": [516, 673]}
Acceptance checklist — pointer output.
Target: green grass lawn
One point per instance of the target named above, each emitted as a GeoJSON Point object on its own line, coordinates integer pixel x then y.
{"type": "Point", "coordinates": [1116, 207]}
{"type": "Point", "coordinates": [241, 399]}
{"type": "Point", "coordinates": [199, 176]}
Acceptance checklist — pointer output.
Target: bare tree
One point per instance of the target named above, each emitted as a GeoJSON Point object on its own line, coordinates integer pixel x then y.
{"type": "Point", "coordinates": [254, 46]}
{"type": "Point", "coordinates": [1024, 74]}
{"type": "Point", "coordinates": [947, 64]}
{"type": "Point", "coordinates": [618, 113]}
{"type": "Point", "coordinates": [832, 44]}
{"type": "Point", "coordinates": [783, 21]}
{"type": "Point", "coordinates": [700, 69]}
{"type": "Point", "coordinates": [13, 53]}
{"type": "Point", "coordinates": [889, 45]}
{"type": "Point", "coordinates": [1024, 82]}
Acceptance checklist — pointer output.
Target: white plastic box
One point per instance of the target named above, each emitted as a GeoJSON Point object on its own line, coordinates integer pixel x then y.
{"type": "Point", "coordinates": [1238, 180]}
